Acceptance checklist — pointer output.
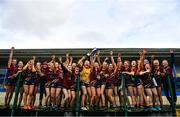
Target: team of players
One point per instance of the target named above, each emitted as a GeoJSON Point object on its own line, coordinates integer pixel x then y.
{"type": "Point", "coordinates": [100, 82]}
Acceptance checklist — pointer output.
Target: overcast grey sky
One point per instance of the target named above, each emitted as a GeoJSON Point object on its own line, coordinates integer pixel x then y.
{"type": "Point", "coordinates": [89, 23]}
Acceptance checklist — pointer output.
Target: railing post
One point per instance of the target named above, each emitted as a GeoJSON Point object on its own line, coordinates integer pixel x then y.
{"type": "Point", "coordinates": [172, 95]}
{"type": "Point", "coordinates": [17, 89]}
{"type": "Point", "coordinates": [125, 96]}
{"type": "Point", "coordinates": [77, 96]}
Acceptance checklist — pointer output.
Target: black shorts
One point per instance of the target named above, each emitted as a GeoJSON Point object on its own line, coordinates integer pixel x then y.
{"type": "Point", "coordinates": [85, 84]}
{"type": "Point", "coordinates": [129, 82]}
{"type": "Point", "coordinates": [10, 82]}
{"type": "Point", "coordinates": [96, 84]}
{"type": "Point", "coordinates": [149, 85]}
{"type": "Point", "coordinates": [73, 87]}
{"type": "Point", "coordinates": [109, 85]}
{"type": "Point", "coordinates": [29, 81]}
{"type": "Point", "coordinates": [56, 85]}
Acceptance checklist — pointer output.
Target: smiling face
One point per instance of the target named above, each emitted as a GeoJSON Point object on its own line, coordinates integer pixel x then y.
{"type": "Point", "coordinates": [110, 68]}
{"type": "Point", "coordinates": [76, 70]}
{"type": "Point", "coordinates": [14, 62]}
{"type": "Point", "coordinates": [105, 65]}
{"type": "Point", "coordinates": [44, 65]}
{"type": "Point", "coordinates": [86, 63]}
{"type": "Point", "coordinates": [147, 67]}
{"type": "Point", "coordinates": [156, 63]}
{"type": "Point", "coordinates": [165, 63]}
{"type": "Point", "coordinates": [20, 64]}
{"type": "Point", "coordinates": [56, 65]}
{"type": "Point", "coordinates": [126, 64]}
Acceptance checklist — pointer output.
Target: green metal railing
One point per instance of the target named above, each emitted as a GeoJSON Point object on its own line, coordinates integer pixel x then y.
{"type": "Point", "coordinates": [125, 95]}
{"type": "Point", "coordinates": [77, 96]}
{"type": "Point", "coordinates": [77, 103]}
{"type": "Point", "coordinates": [172, 95]}
{"type": "Point", "coordinates": [17, 89]}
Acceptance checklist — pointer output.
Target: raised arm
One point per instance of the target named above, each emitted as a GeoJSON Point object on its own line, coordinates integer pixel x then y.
{"type": "Point", "coordinates": [142, 56]}
{"type": "Point", "coordinates": [81, 60]}
{"type": "Point", "coordinates": [53, 59]}
{"type": "Point", "coordinates": [25, 67]}
{"type": "Point", "coordinates": [119, 59]}
{"type": "Point", "coordinates": [67, 59]}
{"type": "Point", "coordinates": [64, 67]}
{"type": "Point", "coordinates": [71, 60]}
{"type": "Point", "coordinates": [172, 58]}
{"type": "Point", "coordinates": [33, 66]}
{"type": "Point", "coordinates": [112, 60]}
{"type": "Point", "coordinates": [10, 57]}
{"type": "Point", "coordinates": [92, 60]}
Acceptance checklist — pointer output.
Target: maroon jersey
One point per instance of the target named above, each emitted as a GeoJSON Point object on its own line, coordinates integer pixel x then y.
{"type": "Point", "coordinates": [128, 78]}
{"type": "Point", "coordinates": [59, 76]}
{"type": "Point", "coordinates": [169, 72]}
{"type": "Point", "coordinates": [67, 80]}
{"type": "Point", "coordinates": [50, 76]}
{"type": "Point", "coordinates": [157, 75]}
{"type": "Point", "coordinates": [29, 74]}
{"type": "Point", "coordinates": [102, 75]}
{"type": "Point", "coordinates": [11, 71]}
{"type": "Point", "coordinates": [94, 74]}
{"type": "Point", "coordinates": [111, 77]}
{"type": "Point", "coordinates": [73, 80]}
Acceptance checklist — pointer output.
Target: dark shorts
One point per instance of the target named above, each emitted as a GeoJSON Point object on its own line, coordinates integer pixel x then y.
{"type": "Point", "coordinates": [109, 85]}
{"type": "Point", "coordinates": [103, 83]}
{"type": "Point", "coordinates": [73, 87]}
{"type": "Point", "coordinates": [56, 85]}
{"type": "Point", "coordinates": [84, 84]}
{"type": "Point", "coordinates": [10, 82]}
{"type": "Point", "coordinates": [29, 81]}
{"type": "Point", "coordinates": [149, 85]}
{"type": "Point", "coordinates": [137, 82]}
{"type": "Point", "coordinates": [129, 82]}
{"type": "Point", "coordinates": [96, 84]}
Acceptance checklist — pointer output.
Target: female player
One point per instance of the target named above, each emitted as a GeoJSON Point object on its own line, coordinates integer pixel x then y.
{"type": "Point", "coordinates": [94, 84]}
{"type": "Point", "coordinates": [10, 81]}
{"type": "Point", "coordinates": [110, 79]}
{"type": "Point", "coordinates": [29, 82]}
{"type": "Point", "coordinates": [103, 76]}
{"type": "Point", "coordinates": [85, 80]}
{"type": "Point", "coordinates": [150, 87]}
{"type": "Point", "coordinates": [158, 74]}
{"type": "Point", "coordinates": [129, 72]}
